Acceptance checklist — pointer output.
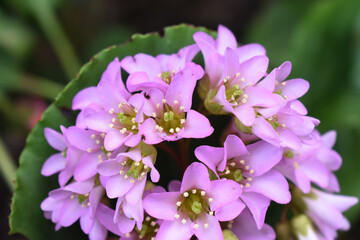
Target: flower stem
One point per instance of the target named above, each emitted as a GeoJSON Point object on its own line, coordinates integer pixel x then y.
{"type": "Point", "coordinates": [183, 146]}
{"type": "Point", "coordinates": [7, 166]}
{"type": "Point", "coordinates": [56, 35]}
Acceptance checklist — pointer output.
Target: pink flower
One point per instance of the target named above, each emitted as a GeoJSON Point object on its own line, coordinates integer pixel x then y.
{"type": "Point", "coordinates": [191, 210]}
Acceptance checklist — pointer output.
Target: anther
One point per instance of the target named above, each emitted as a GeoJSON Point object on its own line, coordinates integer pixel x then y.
{"type": "Point", "coordinates": [242, 161]}
{"type": "Point", "coordinates": [123, 130]}
{"type": "Point", "coordinates": [147, 219]}
{"type": "Point", "coordinates": [182, 108]}
{"type": "Point", "coordinates": [133, 120]}
{"type": "Point", "coordinates": [102, 135]}
{"type": "Point", "coordinates": [296, 165]}
{"type": "Point", "coordinates": [247, 167]}
{"type": "Point", "coordinates": [177, 129]}
{"type": "Point", "coordinates": [185, 194]}
{"type": "Point", "coordinates": [211, 200]}
{"type": "Point", "coordinates": [122, 172]}
{"type": "Point", "coordinates": [111, 111]}
{"type": "Point", "coordinates": [146, 167]}
{"type": "Point", "coordinates": [247, 184]}
{"type": "Point", "coordinates": [193, 191]}
{"type": "Point", "coordinates": [127, 235]}
{"type": "Point", "coordinates": [89, 150]}
{"type": "Point", "coordinates": [132, 181]}
{"type": "Point", "coordinates": [283, 126]}
{"type": "Point", "coordinates": [155, 230]}
{"type": "Point", "coordinates": [158, 105]}
{"type": "Point", "coordinates": [202, 193]}
{"type": "Point", "coordinates": [196, 226]}
{"type": "Point", "coordinates": [206, 225]}
{"type": "Point", "coordinates": [72, 196]}
{"type": "Point", "coordinates": [232, 164]}
{"type": "Point", "coordinates": [97, 141]}
{"type": "Point", "coordinates": [163, 100]}
{"type": "Point", "coordinates": [283, 83]}
{"type": "Point", "coordinates": [93, 136]}
{"type": "Point", "coordinates": [126, 176]}
{"type": "Point", "coordinates": [251, 171]}
{"type": "Point", "coordinates": [133, 127]}
{"type": "Point", "coordinates": [137, 163]}
{"type": "Point", "coordinates": [249, 179]}
{"type": "Point", "coordinates": [113, 120]}
{"type": "Point", "coordinates": [177, 216]}
{"type": "Point", "coordinates": [153, 114]}
{"type": "Point", "coordinates": [171, 130]}
{"type": "Point", "coordinates": [176, 102]}
{"type": "Point", "coordinates": [153, 223]}
{"type": "Point", "coordinates": [242, 79]}
{"type": "Point", "coordinates": [178, 203]}
{"type": "Point", "coordinates": [237, 74]}
{"type": "Point", "coordinates": [182, 121]}
{"type": "Point", "coordinates": [99, 156]}
{"type": "Point", "coordinates": [111, 125]}
{"type": "Point", "coordinates": [211, 213]}
{"type": "Point", "coordinates": [183, 221]}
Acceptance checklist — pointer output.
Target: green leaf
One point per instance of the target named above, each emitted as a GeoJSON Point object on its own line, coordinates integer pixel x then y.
{"type": "Point", "coordinates": [31, 188]}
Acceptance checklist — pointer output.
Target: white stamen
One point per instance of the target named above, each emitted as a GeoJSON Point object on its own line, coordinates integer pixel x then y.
{"type": "Point", "coordinates": [237, 74]}
{"type": "Point", "coordinates": [111, 111]}
{"type": "Point", "coordinates": [193, 191]}
{"type": "Point", "coordinates": [111, 125]}
{"type": "Point", "coordinates": [158, 105]}
{"type": "Point", "coordinates": [113, 120]}
{"type": "Point", "coordinates": [211, 200]}
{"type": "Point", "coordinates": [93, 136]}
{"type": "Point", "coordinates": [283, 83]}
{"type": "Point", "coordinates": [183, 221]}
{"type": "Point", "coordinates": [97, 141]}
{"type": "Point", "coordinates": [182, 108]}
{"type": "Point", "coordinates": [164, 100]}
{"type": "Point", "coordinates": [171, 130]}
{"type": "Point", "coordinates": [153, 114]}
{"type": "Point", "coordinates": [176, 102]}
{"type": "Point", "coordinates": [185, 194]}
{"type": "Point", "coordinates": [133, 120]}
{"type": "Point", "coordinates": [206, 225]}
{"type": "Point", "coordinates": [153, 223]}
{"type": "Point", "coordinates": [182, 121]}
{"type": "Point", "coordinates": [147, 218]}
{"type": "Point", "coordinates": [196, 226]}
{"type": "Point", "coordinates": [178, 203]}
{"type": "Point", "coordinates": [202, 193]}
{"type": "Point", "coordinates": [89, 150]}
{"type": "Point", "coordinates": [177, 129]}
{"type": "Point", "coordinates": [177, 216]}
{"type": "Point", "coordinates": [242, 162]}
{"type": "Point", "coordinates": [242, 79]}
{"type": "Point", "coordinates": [211, 213]}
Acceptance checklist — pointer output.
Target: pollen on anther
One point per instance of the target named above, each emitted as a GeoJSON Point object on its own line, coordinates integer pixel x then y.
{"type": "Point", "coordinates": [237, 74]}
{"type": "Point", "coordinates": [247, 167]}
{"type": "Point", "coordinates": [158, 105]}
{"type": "Point", "coordinates": [126, 176]}
{"type": "Point", "coordinates": [123, 130]}
{"type": "Point", "coordinates": [102, 135]}
{"type": "Point", "coordinates": [211, 213]}
{"type": "Point", "coordinates": [111, 111]}
{"type": "Point", "coordinates": [249, 179]}
{"type": "Point", "coordinates": [153, 114]}
{"type": "Point", "coordinates": [242, 161]}
{"type": "Point", "coordinates": [97, 141]}
{"type": "Point", "coordinates": [193, 191]}
{"type": "Point", "coordinates": [133, 120]}
{"type": "Point", "coordinates": [127, 235]}
{"type": "Point", "coordinates": [153, 223]}
{"type": "Point", "coordinates": [196, 226]}
{"type": "Point", "coordinates": [202, 193]}
{"type": "Point", "coordinates": [133, 127]}
{"type": "Point", "coordinates": [185, 194]}
{"type": "Point", "coordinates": [113, 120]}
{"type": "Point", "coordinates": [177, 129]}
{"type": "Point", "coordinates": [147, 218]}
{"type": "Point", "coordinates": [122, 172]}
{"type": "Point", "coordinates": [89, 150]}
{"type": "Point", "coordinates": [251, 171]}
{"type": "Point", "coordinates": [146, 167]}
{"type": "Point", "coordinates": [182, 108]}
{"type": "Point", "coordinates": [156, 230]}
{"type": "Point", "coordinates": [163, 100]}
{"type": "Point", "coordinates": [111, 125]}
{"type": "Point", "coordinates": [242, 79]}
{"type": "Point", "coordinates": [183, 221]}
{"type": "Point", "coordinates": [247, 185]}
{"type": "Point", "coordinates": [93, 136]}
{"type": "Point", "coordinates": [178, 203]}
{"type": "Point", "coordinates": [283, 83]}
{"type": "Point", "coordinates": [182, 121]}
{"type": "Point", "coordinates": [176, 102]}
{"type": "Point", "coordinates": [283, 126]}
{"type": "Point", "coordinates": [211, 200]}
{"type": "Point", "coordinates": [171, 130]}
{"type": "Point", "coordinates": [206, 225]}
{"type": "Point", "coordinates": [177, 216]}
{"type": "Point", "coordinates": [72, 196]}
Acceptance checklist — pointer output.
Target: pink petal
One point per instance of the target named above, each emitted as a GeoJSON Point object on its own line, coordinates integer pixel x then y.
{"type": "Point", "coordinates": [150, 133]}
{"type": "Point", "coordinates": [82, 139]}
{"type": "Point", "coordinates": [55, 139]}
{"type": "Point", "coordinates": [210, 156]}
{"type": "Point", "coordinates": [272, 185]}
{"type": "Point", "coordinates": [55, 163]}
{"type": "Point", "coordinates": [260, 97]}
{"type": "Point", "coordinates": [245, 113]}
{"type": "Point", "coordinates": [258, 205]}
{"type": "Point", "coordinates": [213, 231]}
{"type": "Point", "coordinates": [109, 167]}
{"type": "Point", "coordinates": [134, 195]}
{"type": "Point", "coordinates": [225, 39]}
{"type": "Point", "coordinates": [283, 71]}
{"type": "Point", "coordinates": [196, 176]}
{"type": "Point", "coordinates": [70, 212]}
{"type": "Point", "coordinates": [117, 186]}
{"type": "Point", "coordinates": [265, 131]}
{"type": "Point", "coordinates": [99, 121]}
{"type": "Point", "coordinates": [85, 97]}
{"type": "Point", "coordinates": [251, 50]}
{"type": "Point", "coordinates": [162, 205]}
{"type": "Point", "coordinates": [294, 88]}
{"type": "Point", "coordinates": [253, 69]}
{"type": "Point", "coordinates": [174, 230]}
{"type": "Point", "coordinates": [196, 126]}
{"type": "Point", "coordinates": [114, 139]}
{"type": "Point", "coordinates": [86, 167]}
{"type": "Point", "coordinates": [223, 192]}
{"type": "Point", "coordinates": [142, 63]}
{"type": "Point", "coordinates": [230, 211]}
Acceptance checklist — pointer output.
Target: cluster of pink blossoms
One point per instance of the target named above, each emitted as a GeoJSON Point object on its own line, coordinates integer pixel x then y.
{"type": "Point", "coordinates": [269, 152]}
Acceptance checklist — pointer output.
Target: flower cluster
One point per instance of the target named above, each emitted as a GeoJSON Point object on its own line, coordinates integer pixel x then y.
{"type": "Point", "coordinates": [270, 151]}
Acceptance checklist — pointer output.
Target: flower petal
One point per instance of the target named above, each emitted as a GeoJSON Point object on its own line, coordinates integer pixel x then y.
{"type": "Point", "coordinates": [85, 97]}
{"type": "Point", "coordinates": [230, 211]}
{"type": "Point", "coordinates": [162, 205]}
{"type": "Point", "coordinates": [55, 139]}
{"type": "Point", "coordinates": [174, 230]}
{"type": "Point", "coordinates": [212, 231]}
{"type": "Point", "coordinates": [196, 176]}
{"type": "Point", "coordinates": [210, 156]}
{"type": "Point", "coordinates": [197, 126]}
{"type": "Point", "coordinates": [258, 205]}
{"type": "Point", "coordinates": [55, 163]}
{"type": "Point", "coordinates": [223, 192]}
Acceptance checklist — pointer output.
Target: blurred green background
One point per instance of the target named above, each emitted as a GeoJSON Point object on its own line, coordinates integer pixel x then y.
{"type": "Point", "coordinates": [43, 43]}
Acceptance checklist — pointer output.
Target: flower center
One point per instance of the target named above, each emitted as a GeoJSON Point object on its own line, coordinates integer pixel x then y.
{"type": "Point", "coordinates": [166, 77]}
{"type": "Point", "coordinates": [125, 119]}
{"type": "Point", "coordinates": [237, 171]}
{"type": "Point", "coordinates": [192, 204]}
{"type": "Point", "coordinates": [136, 170]}
{"type": "Point", "coordinates": [172, 118]}
{"type": "Point", "coordinates": [149, 229]}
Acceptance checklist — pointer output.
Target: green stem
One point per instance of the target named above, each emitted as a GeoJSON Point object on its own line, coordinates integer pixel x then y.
{"type": "Point", "coordinates": [39, 86]}
{"type": "Point", "coordinates": [56, 35]}
{"type": "Point", "coordinates": [7, 166]}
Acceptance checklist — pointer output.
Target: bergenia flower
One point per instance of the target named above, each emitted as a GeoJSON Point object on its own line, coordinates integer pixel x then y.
{"type": "Point", "coordinates": [156, 72]}
{"type": "Point", "coordinates": [244, 227]}
{"type": "Point", "coordinates": [191, 210]}
{"type": "Point", "coordinates": [252, 168]}
{"type": "Point", "coordinates": [324, 210]}
{"type": "Point", "coordinates": [78, 200]}
{"type": "Point", "coordinates": [117, 117]}
{"type": "Point", "coordinates": [313, 163]}
{"type": "Point", "coordinates": [171, 115]}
